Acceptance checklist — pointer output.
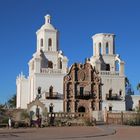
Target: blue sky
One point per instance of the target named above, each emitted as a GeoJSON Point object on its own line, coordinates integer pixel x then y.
{"type": "Point", "coordinates": [77, 21]}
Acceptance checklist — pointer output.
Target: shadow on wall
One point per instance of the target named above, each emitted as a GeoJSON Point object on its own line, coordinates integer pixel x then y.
{"type": "Point", "coordinates": [129, 102]}
{"type": "Point", "coordinates": [44, 61]}
{"type": "Point", "coordinates": [104, 66]}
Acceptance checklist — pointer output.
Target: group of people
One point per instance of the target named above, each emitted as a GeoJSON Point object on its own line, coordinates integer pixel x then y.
{"type": "Point", "coordinates": [36, 122]}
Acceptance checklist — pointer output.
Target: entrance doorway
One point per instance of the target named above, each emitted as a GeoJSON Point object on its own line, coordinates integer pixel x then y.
{"type": "Point", "coordinates": [81, 109]}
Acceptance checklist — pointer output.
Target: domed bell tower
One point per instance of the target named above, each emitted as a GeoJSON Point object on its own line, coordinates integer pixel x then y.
{"type": "Point", "coordinates": [47, 37]}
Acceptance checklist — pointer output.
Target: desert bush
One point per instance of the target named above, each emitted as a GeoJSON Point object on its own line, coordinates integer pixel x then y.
{"type": "Point", "coordinates": [18, 124]}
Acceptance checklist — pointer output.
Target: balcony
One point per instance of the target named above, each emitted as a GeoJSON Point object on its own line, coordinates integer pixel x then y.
{"type": "Point", "coordinates": [86, 95]}
{"type": "Point", "coordinates": [54, 95]}
{"type": "Point", "coordinates": [113, 96]}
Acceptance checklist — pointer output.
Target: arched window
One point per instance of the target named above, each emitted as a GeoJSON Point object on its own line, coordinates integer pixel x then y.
{"type": "Point", "coordinates": [107, 48]}
{"type": "Point", "coordinates": [107, 67]}
{"type": "Point", "coordinates": [39, 90]}
{"type": "Point", "coordinates": [116, 65]}
{"type": "Point", "coordinates": [51, 107]}
{"type": "Point", "coordinates": [51, 91]}
{"type": "Point", "coordinates": [38, 96]}
{"type": "Point", "coordinates": [100, 48]}
{"type": "Point", "coordinates": [41, 42]}
{"type": "Point", "coordinates": [81, 91]}
{"type": "Point", "coordinates": [110, 93]}
{"type": "Point", "coordinates": [59, 63]}
{"type": "Point", "coordinates": [120, 92]}
{"type": "Point", "coordinates": [50, 64]}
{"type": "Point", "coordinates": [49, 42]}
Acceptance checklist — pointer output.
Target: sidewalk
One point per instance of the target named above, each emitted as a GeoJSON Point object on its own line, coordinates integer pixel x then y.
{"type": "Point", "coordinates": [58, 132]}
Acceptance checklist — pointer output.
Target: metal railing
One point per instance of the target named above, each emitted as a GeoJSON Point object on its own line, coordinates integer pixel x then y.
{"type": "Point", "coordinates": [54, 95]}
{"type": "Point", "coordinates": [113, 96]}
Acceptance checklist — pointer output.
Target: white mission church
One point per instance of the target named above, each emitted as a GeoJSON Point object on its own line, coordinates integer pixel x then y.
{"type": "Point", "coordinates": [48, 67]}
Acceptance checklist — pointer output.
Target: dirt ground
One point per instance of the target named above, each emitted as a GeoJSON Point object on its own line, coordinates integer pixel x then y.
{"type": "Point", "coordinates": [72, 133]}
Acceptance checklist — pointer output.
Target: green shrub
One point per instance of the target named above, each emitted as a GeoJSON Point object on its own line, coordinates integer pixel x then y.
{"type": "Point", "coordinates": [4, 120]}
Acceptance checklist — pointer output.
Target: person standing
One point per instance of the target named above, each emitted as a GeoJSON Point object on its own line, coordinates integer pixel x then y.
{"type": "Point", "coordinates": [9, 122]}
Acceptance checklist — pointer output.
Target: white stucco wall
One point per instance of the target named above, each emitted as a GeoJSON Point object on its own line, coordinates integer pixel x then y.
{"type": "Point", "coordinates": [46, 80]}
{"type": "Point", "coordinates": [57, 105]}
{"type": "Point", "coordinates": [116, 105]}
{"type": "Point", "coordinates": [116, 83]}
{"type": "Point", "coordinates": [22, 92]}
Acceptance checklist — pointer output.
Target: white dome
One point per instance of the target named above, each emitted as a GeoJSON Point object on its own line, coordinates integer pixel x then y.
{"type": "Point", "coordinates": [48, 26]}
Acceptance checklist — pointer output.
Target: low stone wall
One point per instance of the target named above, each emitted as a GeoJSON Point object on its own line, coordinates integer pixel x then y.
{"type": "Point", "coordinates": [98, 115]}
{"type": "Point", "coordinates": [122, 117]}
{"type": "Point", "coordinates": [15, 114]}
{"type": "Point", "coordinates": [68, 119]}
{"type": "Point", "coordinates": [68, 115]}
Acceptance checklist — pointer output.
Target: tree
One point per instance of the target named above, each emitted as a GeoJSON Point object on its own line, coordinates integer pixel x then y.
{"type": "Point", "coordinates": [126, 82]}
{"type": "Point", "coordinates": [3, 117]}
{"type": "Point", "coordinates": [138, 87]}
{"type": "Point", "coordinates": [11, 103]}
{"type": "Point", "coordinates": [1, 109]}
{"type": "Point", "coordinates": [1, 106]}
{"type": "Point", "coordinates": [25, 115]}
{"type": "Point", "coordinates": [128, 87]}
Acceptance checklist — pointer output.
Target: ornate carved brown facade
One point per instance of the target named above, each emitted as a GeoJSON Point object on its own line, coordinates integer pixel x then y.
{"type": "Point", "coordinates": [82, 89]}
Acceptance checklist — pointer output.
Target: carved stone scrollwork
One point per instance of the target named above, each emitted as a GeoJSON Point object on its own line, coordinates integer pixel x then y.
{"type": "Point", "coordinates": [81, 75]}
{"type": "Point", "coordinates": [68, 78]}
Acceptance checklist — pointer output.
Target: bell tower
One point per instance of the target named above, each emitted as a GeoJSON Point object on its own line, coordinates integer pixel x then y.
{"type": "Point", "coordinates": [103, 44]}
{"type": "Point", "coordinates": [47, 37]}
{"type": "Point", "coordinates": [111, 71]}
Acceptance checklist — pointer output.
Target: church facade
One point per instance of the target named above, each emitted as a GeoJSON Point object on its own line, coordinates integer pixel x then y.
{"type": "Point", "coordinates": [47, 68]}
{"type": "Point", "coordinates": [82, 89]}
{"type": "Point", "coordinates": [96, 85]}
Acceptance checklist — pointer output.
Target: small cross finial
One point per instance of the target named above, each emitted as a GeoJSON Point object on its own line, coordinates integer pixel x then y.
{"type": "Point", "coordinates": [47, 19]}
